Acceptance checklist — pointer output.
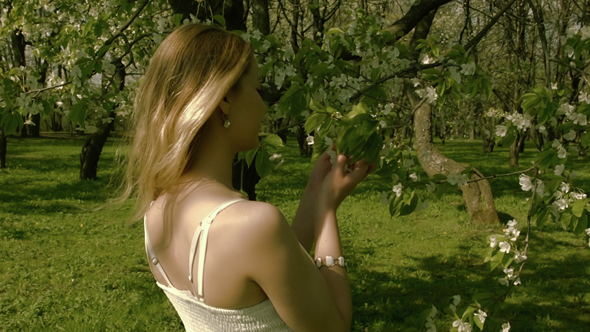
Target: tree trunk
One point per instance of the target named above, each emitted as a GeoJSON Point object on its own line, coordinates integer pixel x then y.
{"type": "Point", "coordinates": [477, 196]}
{"type": "Point", "coordinates": [515, 151]}
{"type": "Point", "coordinates": [260, 17]}
{"type": "Point", "coordinates": [91, 152]}
{"type": "Point", "coordinates": [2, 149]}
{"type": "Point", "coordinates": [93, 147]}
{"type": "Point", "coordinates": [245, 178]}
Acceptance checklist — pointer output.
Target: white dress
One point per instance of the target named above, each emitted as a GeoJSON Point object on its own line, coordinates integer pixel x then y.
{"type": "Point", "coordinates": [198, 316]}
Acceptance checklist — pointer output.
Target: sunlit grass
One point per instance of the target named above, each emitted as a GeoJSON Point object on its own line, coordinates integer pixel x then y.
{"type": "Point", "coordinates": [65, 266]}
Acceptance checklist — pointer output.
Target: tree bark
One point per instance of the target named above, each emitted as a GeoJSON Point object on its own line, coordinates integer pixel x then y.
{"type": "Point", "coordinates": [477, 196]}
{"type": "Point", "coordinates": [417, 12]}
{"type": "Point", "coordinates": [260, 17]}
{"type": "Point", "coordinates": [94, 144]}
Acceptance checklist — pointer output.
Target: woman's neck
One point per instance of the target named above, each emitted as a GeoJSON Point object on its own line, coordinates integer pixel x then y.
{"type": "Point", "coordinates": [213, 157]}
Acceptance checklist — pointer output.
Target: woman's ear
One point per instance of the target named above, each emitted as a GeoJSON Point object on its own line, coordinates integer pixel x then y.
{"type": "Point", "coordinates": [224, 105]}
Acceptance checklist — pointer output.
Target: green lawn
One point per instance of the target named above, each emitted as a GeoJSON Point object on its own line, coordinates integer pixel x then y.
{"type": "Point", "coordinates": [65, 266]}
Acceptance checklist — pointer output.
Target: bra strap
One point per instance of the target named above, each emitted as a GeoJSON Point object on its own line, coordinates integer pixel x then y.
{"type": "Point", "coordinates": [200, 239]}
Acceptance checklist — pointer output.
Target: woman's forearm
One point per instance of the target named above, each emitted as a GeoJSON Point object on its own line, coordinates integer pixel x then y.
{"type": "Point", "coordinates": [328, 244]}
{"type": "Point", "coordinates": [303, 224]}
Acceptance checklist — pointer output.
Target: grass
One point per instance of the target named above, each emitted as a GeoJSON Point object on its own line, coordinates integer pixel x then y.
{"type": "Point", "coordinates": [66, 267]}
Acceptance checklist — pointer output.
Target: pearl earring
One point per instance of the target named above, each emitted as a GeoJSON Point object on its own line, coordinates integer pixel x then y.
{"type": "Point", "coordinates": [226, 122]}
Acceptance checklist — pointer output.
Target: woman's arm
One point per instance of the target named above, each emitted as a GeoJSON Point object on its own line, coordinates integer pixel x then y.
{"type": "Point", "coordinates": [305, 219]}
{"type": "Point", "coordinates": [306, 298]}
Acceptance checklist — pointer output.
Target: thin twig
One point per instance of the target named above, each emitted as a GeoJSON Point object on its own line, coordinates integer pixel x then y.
{"type": "Point", "coordinates": [47, 88]}
{"type": "Point", "coordinates": [501, 175]}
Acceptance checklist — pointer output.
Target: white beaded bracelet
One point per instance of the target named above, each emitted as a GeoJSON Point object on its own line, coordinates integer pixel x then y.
{"type": "Point", "coordinates": [330, 261]}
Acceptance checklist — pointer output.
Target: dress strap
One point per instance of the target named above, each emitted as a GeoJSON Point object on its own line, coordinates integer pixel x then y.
{"type": "Point", "coordinates": [200, 239]}
{"type": "Point", "coordinates": [150, 251]}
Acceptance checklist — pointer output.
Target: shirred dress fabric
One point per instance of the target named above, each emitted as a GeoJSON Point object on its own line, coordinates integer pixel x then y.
{"type": "Point", "coordinates": [198, 316]}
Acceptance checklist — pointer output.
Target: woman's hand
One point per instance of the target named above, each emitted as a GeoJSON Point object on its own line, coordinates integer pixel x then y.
{"type": "Point", "coordinates": [342, 180]}
{"type": "Point", "coordinates": [318, 173]}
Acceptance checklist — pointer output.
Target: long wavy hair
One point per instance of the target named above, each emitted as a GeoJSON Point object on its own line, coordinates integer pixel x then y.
{"type": "Point", "coordinates": [190, 73]}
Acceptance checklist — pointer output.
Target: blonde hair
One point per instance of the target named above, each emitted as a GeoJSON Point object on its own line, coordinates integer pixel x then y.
{"type": "Point", "coordinates": [190, 73]}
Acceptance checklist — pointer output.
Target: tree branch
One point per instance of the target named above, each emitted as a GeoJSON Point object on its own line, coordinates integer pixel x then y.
{"type": "Point", "coordinates": [484, 31]}
{"type": "Point", "coordinates": [47, 88]}
{"type": "Point", "coordinates": [502, 175]}
{"type": "Point", "coordinates": [416, 13]}
{"type": "Point", "coordinates": [117, 34]}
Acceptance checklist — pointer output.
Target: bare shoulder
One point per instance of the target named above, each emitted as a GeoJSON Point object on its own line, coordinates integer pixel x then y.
{"type": "Point", "coordinates": [261, 221]}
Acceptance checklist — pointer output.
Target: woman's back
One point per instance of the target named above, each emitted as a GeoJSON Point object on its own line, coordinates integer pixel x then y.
{"type": "Point", "coordinates": [232, 301]}
{"type": "Point", "coordinates": [226, 260]}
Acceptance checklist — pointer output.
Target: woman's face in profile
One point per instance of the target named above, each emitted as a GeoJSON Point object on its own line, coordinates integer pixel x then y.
{"type": "Point", "coordinates": [246, 108]}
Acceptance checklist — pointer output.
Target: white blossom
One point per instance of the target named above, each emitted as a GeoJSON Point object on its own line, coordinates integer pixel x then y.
{"type": "Point", "coordinates": [397, 189]}
{"type": "Point", "coordinates": [505, 327]}
{"type": "Point", "coordinates": [274, 157]}
{"type": "Point", "coordinates": [577, 196]}
{"type": "Point", "coordinates": [553, 86]}
{"type": "Point", "coordinates": [519, 257]}
{"type": "Point", "coordinates": [481, 315]}
{"type": "Point", "coordinates": [584, 97]}
{"type": "Point", "coordinates": [414, 177]}
{"type": "Point", "coordinates": [521, 121]}
{"type": "Point", "coordinates": [517, 282]}
{"type": "Point", "coordinates": [581, 119]}
{"type": "Point", "coordinates": [561, 152]}
{"type": "Point", "coordinates": [427, 60]}
{"type": "Point", "coordinates": [564, 187]}
{"type": "Point", "coordinates": [309, 140]}
{"type": "Point", "coordinates": [571, 135]}
{"type": "Point", "coordinates": [462, 326]}
{"type": "Point", "coordinates": [493, 241]}
{"type": "Point", "coordinates": [504, 247]}
{"type": "Point", "coordinates": [559, 169]}
{"type": "Point", "coordinates": [501, 131]}
{"type": "Point", "coordinates": [525, 182]}
{"type": "Point", "coordinates": [429, 93]}
{"type": "Point", "coordinates": [504, 281]}
{"type": "Point", "coordinates": [560, 204]}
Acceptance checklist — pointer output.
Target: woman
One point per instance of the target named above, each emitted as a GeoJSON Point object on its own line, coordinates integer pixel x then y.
{"type": "Point", "coordinates": [225, 263]}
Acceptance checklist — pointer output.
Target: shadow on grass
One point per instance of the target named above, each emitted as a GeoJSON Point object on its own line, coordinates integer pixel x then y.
{"type": "Point", "coordinates": [387, 301]}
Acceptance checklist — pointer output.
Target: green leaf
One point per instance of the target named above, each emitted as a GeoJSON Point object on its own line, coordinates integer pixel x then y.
{"type": "Point", "coordinates": [496, 260]}
{"type": "Point", "coordinates": [314, 122]}
{"type": "Point", "coordinates": [411, 206]}
{"type": "Point", "coordinates": [509, 138]}
{"type": "Point", "coordinates": [219, 19]}
{"type": "Point", "coordinates": [77, 113]}
{"type": "Point", "coordinates": [263, 164]}
{"type": "Point", "coordinates": [101, 52]}
{"type": "Point", "coordinates": [11, 122]}
{"type": "Point", "coordinates": [578, 207]}
{"type": "Point", "coordinates": [582, 224]}
{"type": "Point", "coordinates": [273, 140]}
{"type": "Point", "coordinates": [249, 156]}
{"type": "Point", "coordinates": [177, 19]}
{"type": "Point", "coordinates": [316, 107]}
{"type": "Point", "coordinates": [566, 219]}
